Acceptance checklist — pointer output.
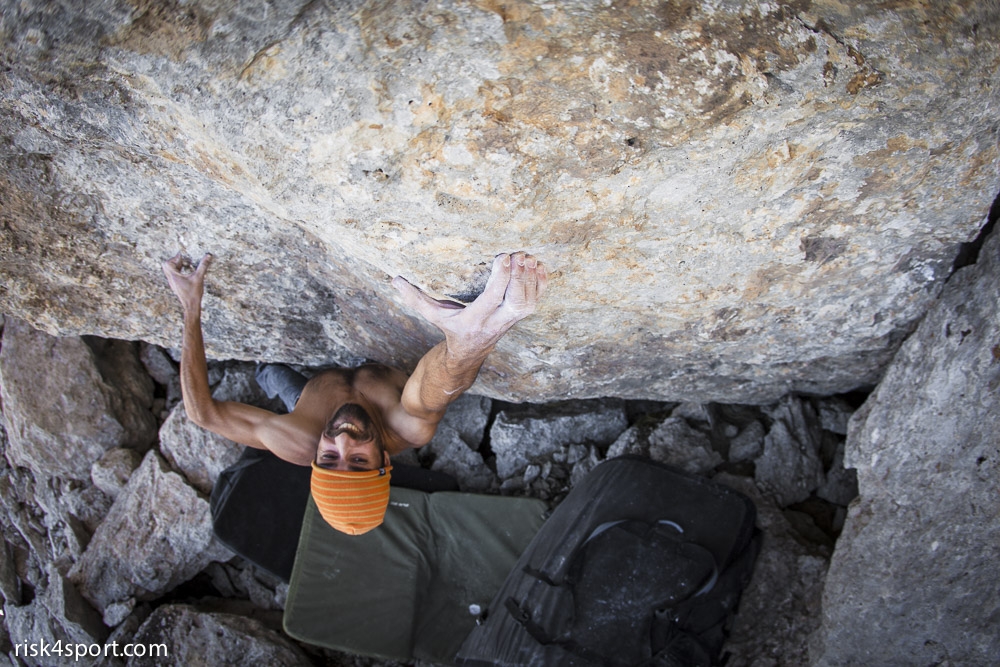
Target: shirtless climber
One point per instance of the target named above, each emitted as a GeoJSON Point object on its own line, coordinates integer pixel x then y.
{"type": "Point", "coordinates": [348, 422]}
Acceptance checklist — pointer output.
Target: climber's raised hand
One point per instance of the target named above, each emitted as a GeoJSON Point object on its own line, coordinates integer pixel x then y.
{"type": "Point", "coordinates": [186, 280]}
{"type": "Point", "coordinates": [516, 283]}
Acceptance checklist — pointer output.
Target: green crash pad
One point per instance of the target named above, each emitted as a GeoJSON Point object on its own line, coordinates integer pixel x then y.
{"type": "Point", "coordinates": [412, 588]}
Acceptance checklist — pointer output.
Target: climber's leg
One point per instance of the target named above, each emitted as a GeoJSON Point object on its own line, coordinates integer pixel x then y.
{"type": "Point", "coordinates": [282, 381]}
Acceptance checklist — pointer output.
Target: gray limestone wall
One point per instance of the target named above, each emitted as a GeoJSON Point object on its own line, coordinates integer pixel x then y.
{"type": "Point", "coordinates": [914, 577]}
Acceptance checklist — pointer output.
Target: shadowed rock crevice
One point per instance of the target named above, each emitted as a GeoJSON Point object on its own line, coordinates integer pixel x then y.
{"type": "Point", "coordinates": [968, 253]}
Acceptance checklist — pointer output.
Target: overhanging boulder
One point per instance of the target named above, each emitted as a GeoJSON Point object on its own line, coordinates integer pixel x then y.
{"type": "Point", "coordinates": [735, 200]}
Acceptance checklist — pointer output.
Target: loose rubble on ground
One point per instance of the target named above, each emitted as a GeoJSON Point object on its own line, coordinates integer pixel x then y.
{"type": "Point", "coordinates": [107, 532]}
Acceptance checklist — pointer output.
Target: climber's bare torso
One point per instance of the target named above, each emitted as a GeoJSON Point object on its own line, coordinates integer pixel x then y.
{"type": "Point", "coordinates": [378, 388]}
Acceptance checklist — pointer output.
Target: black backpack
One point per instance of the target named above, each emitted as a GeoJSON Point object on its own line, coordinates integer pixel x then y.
{"type": "Point", "coordinates": [641, 564]}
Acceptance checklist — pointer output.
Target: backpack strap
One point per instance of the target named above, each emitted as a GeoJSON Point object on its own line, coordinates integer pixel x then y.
{"type": "Point", "coordinates": [677, 647]}
{"type": "Point", "coordinates": [539, 634]}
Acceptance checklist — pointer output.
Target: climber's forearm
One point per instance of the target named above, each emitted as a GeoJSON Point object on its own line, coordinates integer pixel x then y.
{"type": "Point", "coordinates": [442, 375]}
{"type": "Point", "coordinates": [195, 390]}
{"type": "Point", "coordinates": [245, 424]}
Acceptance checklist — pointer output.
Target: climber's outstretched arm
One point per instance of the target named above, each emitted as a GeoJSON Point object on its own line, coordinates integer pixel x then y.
{"type": "Point", "coordinates": [188, 283]}
{"type": "Point", "coordinates": [239, 422]}
{"type": "Point", "coordinates": [516, 283]}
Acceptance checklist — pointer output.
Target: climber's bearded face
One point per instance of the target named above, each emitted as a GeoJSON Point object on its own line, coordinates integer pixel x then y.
{"type": "Point", "coordinates": [350, 441]}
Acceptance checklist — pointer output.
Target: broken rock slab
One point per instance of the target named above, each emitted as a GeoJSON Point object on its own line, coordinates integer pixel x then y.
{"type": "Point", "coordinates": [164, 371]}
{"type": "Point", "coordinates": [111, 472]}
{"type": "Point", "coordinates": [748, 443]}
{"type": "Point", "coordinates": [157, 535]}
{"type": "Point", "coordinates": [72, 510]}
{"type": "Point", "coordinates": [523, 434]}
{"type": "Point", "coordinates": [24, 525]}
{"type": "Point", "coordinates": [192, 637]}
{"type": "Point", "coordinates": [834, 414]}
{"type": "Point", "coordinates": [46, 519]}
{"type": "Point", "coordinates": [236, 382]}
{"type": "Point", "coordinates": [78, 617]}
{"type": "Point", "coordinates": [840, 486]}
{"type": "Point", "coordinates": [454, 447]}
{"type": "Point", "coordinates": [468, 416]}
{"type": "Point", "coordinates": [914, 575]}
{"type": "Point", "coordinates": [57, 614]}
{"type": "Point", "coordinates": [583, 459]}
{"type": "Point", "coordinates": [453, 455]}
{"type": "Point", "coordinates": [33, 622]}
{"type": "Point", "coordinates": [673, 442]}
{"type": "Point", "coordinates": [790, 468]}
{"type": "Point", "coordinates": [68, 400]}
{"type": "Point", "coordinates": [10, 584]}
{"type": "Point", "coordinates": [197, 453]}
